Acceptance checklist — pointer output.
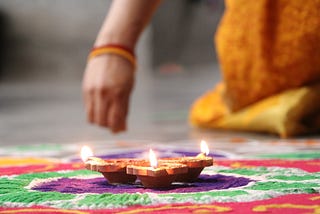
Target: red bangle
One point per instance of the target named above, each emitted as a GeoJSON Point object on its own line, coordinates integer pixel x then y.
{"type": "Point", "coordinates": [116, 49]}
{"type": "Point", "coordinates": [114, 46]}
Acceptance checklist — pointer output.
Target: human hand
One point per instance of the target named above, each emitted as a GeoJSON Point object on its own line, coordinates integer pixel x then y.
{"type": "Point", "coordinates": [107, 85]}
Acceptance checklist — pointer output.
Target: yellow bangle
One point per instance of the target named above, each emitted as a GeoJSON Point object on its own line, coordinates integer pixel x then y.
{"type": "Point", "coordinates": [113, 50]}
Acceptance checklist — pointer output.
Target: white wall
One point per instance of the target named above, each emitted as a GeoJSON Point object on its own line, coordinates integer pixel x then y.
{"type": "Point", "coordinates": [49, 38]}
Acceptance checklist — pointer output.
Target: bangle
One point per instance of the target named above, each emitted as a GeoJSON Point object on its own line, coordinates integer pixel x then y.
{"type": "Point", "coordinates": [119, 50]}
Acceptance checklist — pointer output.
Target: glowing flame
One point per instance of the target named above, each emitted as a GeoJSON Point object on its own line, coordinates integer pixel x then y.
{"type": "Point", "coordinates": [153, 159]}
{"type": "Point", "coordinates": [86, 152]}
{"type": "Point", "coordinates": [204, 147]}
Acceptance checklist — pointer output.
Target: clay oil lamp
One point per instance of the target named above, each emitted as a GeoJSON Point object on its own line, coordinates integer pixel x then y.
{"type": "Point", "coordinates": [156, 175]}
{"type": "Point", "coordinates": [195, 164]}
{"type": "Point", "coordinates": [114, 170]}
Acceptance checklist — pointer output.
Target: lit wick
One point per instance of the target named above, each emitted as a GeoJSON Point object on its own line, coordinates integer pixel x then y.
{"type": "Point", "coordinates": [86, 153]}
{"type": "Point", "coordinates": [114, 170]}
{"type": "Point", "coordinates": [87, 156]}
{"type": "Point", "coordinates": [204, 149]}
{"type": "Point", "coordinates": [154, 175]}
{"type": "Point", "coordinates": [153, 159]}
{"type": "Point", "coordinates": [195, 164]}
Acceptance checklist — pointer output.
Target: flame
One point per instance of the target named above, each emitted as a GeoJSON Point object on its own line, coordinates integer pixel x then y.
{"type": "Point", "coordinates": [86, 152]}
{"type": "Point", "coordinates": [153, 159]}
{"type": "Point", "coordinates": [204, 147]}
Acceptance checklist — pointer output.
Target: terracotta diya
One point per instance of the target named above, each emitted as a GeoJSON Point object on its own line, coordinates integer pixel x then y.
{"type": "Point", "coordinates": [195, 164]}
{"type": "Point", "coordinates": [154, 175]}
{"type": "Point", "coordinates": [114, 170]}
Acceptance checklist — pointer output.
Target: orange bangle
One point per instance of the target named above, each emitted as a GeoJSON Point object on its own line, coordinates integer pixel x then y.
{"type": "Point", "coordinates": [114, 49]}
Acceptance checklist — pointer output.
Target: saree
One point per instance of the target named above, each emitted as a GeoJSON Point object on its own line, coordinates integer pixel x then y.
{"type": "Point", "coordinates": [269, 54]}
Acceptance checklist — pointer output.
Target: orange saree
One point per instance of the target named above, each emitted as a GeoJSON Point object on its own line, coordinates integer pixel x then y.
{"type": "Point", "coordinates": [269, 53]}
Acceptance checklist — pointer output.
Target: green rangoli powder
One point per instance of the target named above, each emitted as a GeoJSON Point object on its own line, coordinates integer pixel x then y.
{"type": "Point", "coordinates": [198, 196]}
{"type": "Point", "coordinates": [114, 199]}
{"type": "Point", "coordinates": [34, 197]}
{"type": "Point", "coordinates": [244, 171]}
{"type": "Point", "coordinates": [296, 177]}
{"type": "Point", "coordinates": [273, 185]}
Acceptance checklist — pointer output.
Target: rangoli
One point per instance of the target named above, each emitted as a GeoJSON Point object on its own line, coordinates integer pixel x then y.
{"type": "Point", "coordinates": [237, 183]}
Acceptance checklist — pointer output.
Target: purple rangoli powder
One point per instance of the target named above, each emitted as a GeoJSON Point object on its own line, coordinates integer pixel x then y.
{"type": "Point", "coordinates": [160, 152]}
{"type": "Point", "coordinates": [100, 185]}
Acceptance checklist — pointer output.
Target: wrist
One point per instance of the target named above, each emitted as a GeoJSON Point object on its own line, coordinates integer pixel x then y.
{"type": "Point", "coordinates": [127, 37]}
{"type": "Point", "coordinates": [116, 49]}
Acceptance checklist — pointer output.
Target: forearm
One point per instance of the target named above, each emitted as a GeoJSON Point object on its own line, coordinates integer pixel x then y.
{"type": "Point", "coordinates": [125, 21]}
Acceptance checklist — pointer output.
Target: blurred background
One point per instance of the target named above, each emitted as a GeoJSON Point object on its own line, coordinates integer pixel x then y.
{"type": "Point", "coordinates": [44, 45]}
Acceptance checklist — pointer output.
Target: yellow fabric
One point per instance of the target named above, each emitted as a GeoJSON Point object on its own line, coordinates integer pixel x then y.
{"type": "Point", "coordinates": [269, 51]}
{"type": "Point", "coordinates": [267, 46]}
{"type": "Point", "coordinates": [290, 113]}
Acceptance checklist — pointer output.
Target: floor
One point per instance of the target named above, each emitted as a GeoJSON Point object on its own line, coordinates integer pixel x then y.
{"type": "Point", "coordinates": [52, 111]}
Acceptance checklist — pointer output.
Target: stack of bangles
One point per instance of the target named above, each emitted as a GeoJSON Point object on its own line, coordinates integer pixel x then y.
{"type": "Point", "coordinates": [116, 49]}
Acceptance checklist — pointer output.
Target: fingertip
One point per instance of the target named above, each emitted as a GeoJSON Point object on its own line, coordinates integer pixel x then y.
{"type": "Point", "coordinates": [116, 130]}
{"type": "Point", "coordinates": [90, 113]}
{"type": "Point", "coordinates": [101, 111]}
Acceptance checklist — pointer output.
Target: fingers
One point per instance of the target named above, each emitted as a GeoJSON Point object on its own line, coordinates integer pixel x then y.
{"type": "Point", "coordinates": [101, 106]}
{"type": "Point", "coordinates": [96, 104]}
{"type": "Point", "coordinates": [107, 109]}
{"type": "Point", "coordinates": [107, 84]}
{"type": "Point", "coordinates": [118, 113]}
{"type": "Point", "coordinates": [89, 104]}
